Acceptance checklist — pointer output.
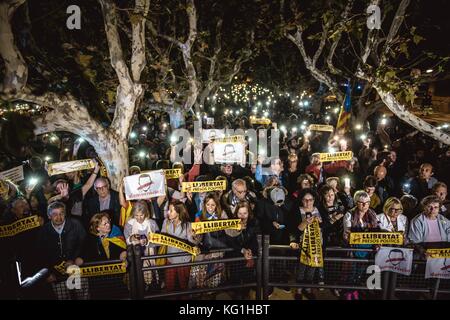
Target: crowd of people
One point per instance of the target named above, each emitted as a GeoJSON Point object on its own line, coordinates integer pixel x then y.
{"type": "Point", "coordinates": [396, 182]}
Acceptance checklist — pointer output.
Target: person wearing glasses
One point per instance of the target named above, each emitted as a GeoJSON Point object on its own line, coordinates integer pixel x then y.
{"type": "Point", "coordinates": [429, 226]}
{"type": "Point", "coordinates": [104, 199]}
{"type": "Point", "coordinates": [238, 192]}
{"type": "Point", "coordinates": [298, 222]}
{"type": "Point", "coordinates": [359, 219]}
{"type": "Point", "coordinates": [392, 218]}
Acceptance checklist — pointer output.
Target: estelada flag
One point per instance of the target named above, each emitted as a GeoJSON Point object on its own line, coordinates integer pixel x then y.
{"type": "Point", "coordinates": [346, 111]}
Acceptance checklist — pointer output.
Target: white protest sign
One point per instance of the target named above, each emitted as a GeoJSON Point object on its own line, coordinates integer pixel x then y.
{"type": "Point", "coordinates": [233, 152]}
{"type": "Point", "coordinates": [397, 260]}
{"type": "Point", "coordinates": [70, 166]}
{"type": "Point", "coordinates": [438, 268]}
{"type": "Point", "coordinates": [209, 121]}
{"type": "Point", "coordinates": [208, 135]}
{"type": "Point", "coordinates": [145, 185]}
{"type": "Point", "coordinates": [14, 174]}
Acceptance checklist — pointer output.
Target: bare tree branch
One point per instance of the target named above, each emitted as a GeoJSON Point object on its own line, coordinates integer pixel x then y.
{"type": "Point", "coordinates": [395, 26]}
{"type": "Point", "coordinates": [16, 70]}
{"type": "Point", "coordinates": [115, 48]}
{"type": "Point", "coordinates": [138, 61]}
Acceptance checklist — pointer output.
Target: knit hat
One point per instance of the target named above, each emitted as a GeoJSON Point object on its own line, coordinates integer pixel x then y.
{"type": "Point", "coordinates": [278, 196]}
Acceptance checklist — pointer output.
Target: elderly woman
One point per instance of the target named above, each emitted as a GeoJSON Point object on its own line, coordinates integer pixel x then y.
{"type": "Point", "coordinates": [392, 219]}
{"type": "Point", "coordinates": [105, 241]}
{"type": "Point", "coordinates": [359, 219]}
{"type": "Point", "coordinates": [430, 226]}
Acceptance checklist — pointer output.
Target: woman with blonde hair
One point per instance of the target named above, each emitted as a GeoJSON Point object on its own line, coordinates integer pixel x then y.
{"type": "Point", "coordinates": [392, 219]}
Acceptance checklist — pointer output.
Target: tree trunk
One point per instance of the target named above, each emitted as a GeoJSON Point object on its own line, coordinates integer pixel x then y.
{"type": "Point", "coordinates": [114, 154]}
{"type": "Point", "coordinates": [421, 125]}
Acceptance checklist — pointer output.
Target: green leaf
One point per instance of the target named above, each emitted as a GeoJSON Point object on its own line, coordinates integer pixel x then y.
{"type": "Point", "coordinates": [417, 38]}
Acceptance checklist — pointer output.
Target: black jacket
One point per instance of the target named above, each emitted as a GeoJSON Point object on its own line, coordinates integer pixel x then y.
{"type": "Point", "coordinates": [245, 239]}
{"type": "Point", "coordinates": [267, 213]}
{"type": "Point", "coordinates": [93, 250]}
{"type": "Point", "coordinates": [92, 206]}
{"type": "Point", "coordinates": [55, 248]}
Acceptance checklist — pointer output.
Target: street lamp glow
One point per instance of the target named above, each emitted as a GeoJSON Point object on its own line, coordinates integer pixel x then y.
{"type": "Point", "coordinates": [53, 138]}
{"type": "Point", "coordinates": [144, 128]}
{"type": "Point", "coordinates": [66, 150]}
{"type": "Point", "coordinates": [259, 103]}
{"type": "Point", "coordinates": [213, 109]}
{"type": "Point", "coordinates": [327, 118]}
{"type": "Point", "coordinates": [141, 154]}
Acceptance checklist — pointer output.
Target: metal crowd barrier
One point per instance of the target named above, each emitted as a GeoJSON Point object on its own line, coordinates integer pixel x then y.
{"type": "Point", "coordinates": [220, 274]}
{"type": "Point", "coordinates": [274, 266]}
{"type": "Point", "coordinates": [281, 265]}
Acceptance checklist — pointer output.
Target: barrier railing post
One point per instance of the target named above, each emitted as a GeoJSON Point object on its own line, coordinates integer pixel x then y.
{"type": "Point", "coordinates": [139, 274]}
{"type": "Point", "coordinates": [132, 272]}
{"type": "Point", "coordinates": [259, 268]}
{"type": "Point", "coordinates": [266, 265]}
{"type": "Point", "coordinates": [436, 288]}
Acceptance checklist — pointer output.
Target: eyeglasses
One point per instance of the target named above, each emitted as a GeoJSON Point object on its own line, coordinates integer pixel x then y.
{"type": "Point", "coordinates": [240, 191]}
{"type": "Point", "coordinates": [101, 187]}
{"type": "Point", "coordinates": [395, 210]}
{"type": "Point", "coordinates": [364, 203]}
{"type": "Point", "coordinates": [433, 207]}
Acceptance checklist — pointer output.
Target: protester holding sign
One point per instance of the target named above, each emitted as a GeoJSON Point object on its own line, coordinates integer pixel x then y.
{"type": "Point", "coordinates": [392, 219]}
{"type": "Point", "coordinates": [61, 241]}
{"type": "Point", "coordinates": [359, 219]}
{"type": "Point", "coordinates": [177, 225]}
{"type": "Point", "coordinates": [303, 222]}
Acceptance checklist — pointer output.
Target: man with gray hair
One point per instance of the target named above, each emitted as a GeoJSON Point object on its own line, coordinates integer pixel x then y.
{"type": "Point", "coordinates": [238, 192]}
{"type": "Point", "coordinates": [60, 242]}
{"type": "Point", "coordinates": [105, 199]}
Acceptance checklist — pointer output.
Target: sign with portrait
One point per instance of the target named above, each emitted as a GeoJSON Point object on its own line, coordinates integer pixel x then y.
{"type": "Point", "coordinates": [145, 185]}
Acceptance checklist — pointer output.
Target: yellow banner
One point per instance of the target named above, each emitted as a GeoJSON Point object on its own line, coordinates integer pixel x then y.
{"type": "Point", "coordinates": [336, 156]}
{"type": "Point", "coordinates": [321, 127]}
{"type": "Point", "coordinates": [92, 271]}
{"type": "Point", "coordinates": [263, 121]}
{"type": "Point", "coordinates": [163, 239]}
{"type": "Point", "coordinates": [70, 166]}
{"type": "Point", "coordinates": [204, 186]}
{"type": "Point", "coordinates": [19, 226]}
{"type": "Point", "coordinates": [311, 249]}
{"type": "Point", "coordinates": [439, 253]}
{"type": "Point", "coordinates": [215, 225]}
{"type": "Point", "coordinates": [231, 139]}
{"type": "Point", "coordinates": [376, 238]}
{"type": "Point", "coordinates": [173, 173]}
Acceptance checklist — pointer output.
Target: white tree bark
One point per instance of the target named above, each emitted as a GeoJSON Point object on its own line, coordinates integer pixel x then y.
{"type": "Point", "coordinates": [16, 71]}
{"type": "Point", "coordinates": [67, 114]}
{"type": "Point", "coordinates": [400, 111]}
